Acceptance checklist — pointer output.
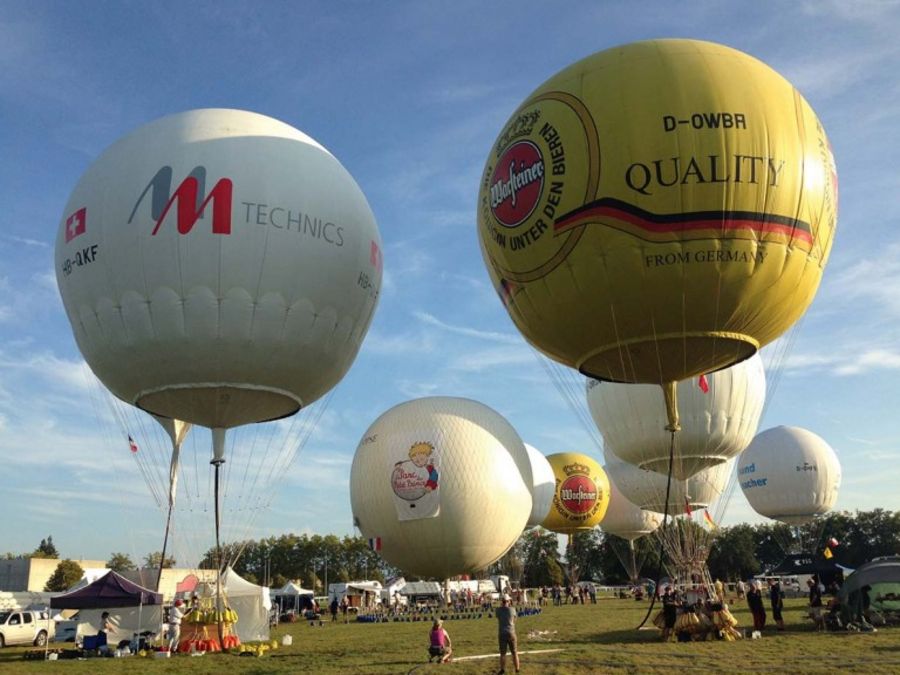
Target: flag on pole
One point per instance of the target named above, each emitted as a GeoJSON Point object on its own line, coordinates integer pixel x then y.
{"type": "Point", "coordinates": [828, 554]}
{"type": "Point", "coordinates": [703, 384]}
{"type": "Point", "coordinates": [375, 543]}
{"type": "Point", "coordinates": [687, 507]}
{"type": "Point", "coordinates": [131, 444]}
{"type": "Point", "coordinates": [709, 520]}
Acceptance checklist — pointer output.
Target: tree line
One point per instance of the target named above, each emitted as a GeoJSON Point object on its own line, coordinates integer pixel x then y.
{"type": "Point", "coordinates": [535, 559]}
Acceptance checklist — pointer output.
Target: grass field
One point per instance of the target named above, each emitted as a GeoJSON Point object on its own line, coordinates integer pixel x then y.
{"type": "Point", "coordinates": [593, 639]}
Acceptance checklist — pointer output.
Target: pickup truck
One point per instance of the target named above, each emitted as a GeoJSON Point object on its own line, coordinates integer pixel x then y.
{"type": "Point", "coordinates": [19, 627]}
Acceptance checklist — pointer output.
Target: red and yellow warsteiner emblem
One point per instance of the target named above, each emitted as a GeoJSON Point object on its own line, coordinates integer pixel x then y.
{"type": "Point", "coordinates": [517, 183]}
{"type": "Point", "coordinates": [578, 496]}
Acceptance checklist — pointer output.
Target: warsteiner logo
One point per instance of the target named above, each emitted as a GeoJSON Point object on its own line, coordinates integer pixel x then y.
{"type": "Point", "coordinates": [577, 496]}
{"type": "Point", "coordinates": [190, 199]}
{"type": "Point", "coordinates": [517, 183]}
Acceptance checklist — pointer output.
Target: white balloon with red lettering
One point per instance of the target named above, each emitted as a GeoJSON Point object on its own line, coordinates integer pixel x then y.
{"type": "Point", "coordinates": [441, 486]}
{"type": "Point", "coordinates": [219, 267]}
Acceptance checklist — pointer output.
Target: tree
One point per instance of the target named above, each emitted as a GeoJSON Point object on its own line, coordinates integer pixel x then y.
{"type": "Point", "coordinates": [152, 560]}
{"type": "Point", "coordinates": [67, 573]}
{"type": "Point", "coordinates": [46, 549]}
{"type": "Point", "coordinates": [512, 564]}
{"type": "Point", "coordinates": [733, 553]}
{"type": "Point", "coordinates": [615, 558]}
{"type": "Point", "coordinates": [120, 562]}
{"type": "Point", "coordinates": [552, 573]}
{"type": "Point", "coordinates": [541, 554]}
{"type": "Point", "coordinates": [584, 556]}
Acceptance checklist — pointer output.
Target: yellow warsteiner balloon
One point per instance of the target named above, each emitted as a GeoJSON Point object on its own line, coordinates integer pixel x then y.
{"type": "Point", "coordinates": [658, 210]}
{"type": "Point", "coordinates": [582, 493]}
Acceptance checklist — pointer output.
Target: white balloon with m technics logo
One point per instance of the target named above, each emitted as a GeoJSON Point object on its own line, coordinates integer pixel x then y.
{"type": "Point", "coordinates": [219, 267]}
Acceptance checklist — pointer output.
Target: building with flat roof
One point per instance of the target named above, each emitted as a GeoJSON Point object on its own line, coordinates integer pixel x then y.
{"type": "Point", "coordinates": [32, 574]}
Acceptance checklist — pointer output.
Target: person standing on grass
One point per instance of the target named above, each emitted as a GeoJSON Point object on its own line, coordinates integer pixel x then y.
{"type": "Point", "coordinates": [776, 597]}
{"type": "Point", "coordinates": [506, 625]}
{"type": "Point", "coordinates": [815, 603]}
{"type": "Point", "coordinates": [176, 612]}
{"type": "Point", "coordinates": [670, 604]}
{"type": "Point", "coordinates": [334, 608]}
{"type": "Point", "coordinates": [755, 603]}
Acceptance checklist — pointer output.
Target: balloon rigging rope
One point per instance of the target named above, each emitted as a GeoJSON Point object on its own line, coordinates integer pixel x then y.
{"type": "Point", "coordinates": [663, 528]}
{"type": "Point", "coordinates": [292, 445]}
{"type": "Point", "coordinates": [94, 393]}
{"type": "Point", "coordinates": [567, 381]}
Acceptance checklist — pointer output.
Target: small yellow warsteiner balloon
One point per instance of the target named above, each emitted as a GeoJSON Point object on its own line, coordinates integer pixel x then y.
{"type": "Point", "coordinates": [658, 210]}
{"type": "Point", "coordinates": [582, 493]}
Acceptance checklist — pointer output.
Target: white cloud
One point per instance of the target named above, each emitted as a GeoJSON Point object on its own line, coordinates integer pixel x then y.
{"type": "Point", "coordinates": [845, 360]}
{"type": "Point", "coordinates": [494, 357]}
{"type": "Point", "coordinates": [490, 336]}
{"type": "Point", "coordinates": [27, 241]}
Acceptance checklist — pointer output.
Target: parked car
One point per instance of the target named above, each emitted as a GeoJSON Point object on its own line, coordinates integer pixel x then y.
{"type": "Point", "coordinates": [23, 628]}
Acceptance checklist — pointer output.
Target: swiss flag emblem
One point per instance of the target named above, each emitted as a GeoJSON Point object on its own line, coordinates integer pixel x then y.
{"type": "Point", "coordinates": [375, 258]}
{"type": "Point", "coordinates": [76, 224]}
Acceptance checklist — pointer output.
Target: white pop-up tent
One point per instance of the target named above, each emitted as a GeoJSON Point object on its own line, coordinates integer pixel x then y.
{"type": "Point", "coordinates": [251, 602]}
{"type": "Point", "coordinates": [289, 596]}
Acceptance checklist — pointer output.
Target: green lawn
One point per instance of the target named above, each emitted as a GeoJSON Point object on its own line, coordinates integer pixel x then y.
{"type": "Point", "coordinates": [593, 638]}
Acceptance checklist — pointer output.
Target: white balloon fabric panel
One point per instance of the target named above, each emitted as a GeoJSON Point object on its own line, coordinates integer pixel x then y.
{"type": "Point", "coordinates": [647, 489]}
{"type": "Point", "coordinates": [624, 519]}
{"type": "Point", "coordinates": [716, 424]}
{"type": "Point", "coordinates": [790, 474]}
{"type": "Point", "coordinates": [483, 483]}
{"type": "Point", "coordinates": [543, 486]}
{"type": "Point", "coordinates": [218, 266]}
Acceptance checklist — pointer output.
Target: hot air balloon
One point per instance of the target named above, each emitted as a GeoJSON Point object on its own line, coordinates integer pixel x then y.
{"type": "Point", "coordinates": [580, 500]}
{"type": "Point", "coordinates": [790, 474]}
{"type": "Point", "coordinates": [719, 417]}
{"type": "Point", "coordinates": [218, 267]}
{"type": "Point", "coordinates": [647, 489]}
{"type": "Point", "coordinates": [211, 266]}
{"type": "Point", "coordinates": [443, 484]}
{"type": "Point", "coordinates": [625, 523]}
{"type": "Point", "coordinates": [697, 505]}
{"type": "Point", "coordinates": [626, 520]}
{"type": "Point", "coordinates": [543, 486]}
{"type": "Point", "coordinates": [581, 496]}
{"type": "Point", "coordinates": [657, 211]}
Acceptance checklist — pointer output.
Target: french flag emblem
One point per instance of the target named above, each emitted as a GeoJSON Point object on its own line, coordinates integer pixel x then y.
{"type": "Point", "coordinates": [375, 543]}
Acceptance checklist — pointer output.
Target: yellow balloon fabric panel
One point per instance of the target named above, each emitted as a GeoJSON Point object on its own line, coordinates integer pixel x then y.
{"type": "Point", "coordinates": [658, 210]}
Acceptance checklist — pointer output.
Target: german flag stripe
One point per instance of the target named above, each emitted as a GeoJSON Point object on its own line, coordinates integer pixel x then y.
{"type": "Point", "coordinates": [678, 223]}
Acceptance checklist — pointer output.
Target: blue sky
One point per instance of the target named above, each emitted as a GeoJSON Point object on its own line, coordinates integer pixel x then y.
{"type": "Point", "coordinates": [409, 97]}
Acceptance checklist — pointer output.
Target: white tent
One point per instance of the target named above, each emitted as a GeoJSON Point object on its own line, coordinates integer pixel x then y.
{"type": "Point", "coordinates": [288, 596]}
{"type": "Point", "coordinates": [251, 602]}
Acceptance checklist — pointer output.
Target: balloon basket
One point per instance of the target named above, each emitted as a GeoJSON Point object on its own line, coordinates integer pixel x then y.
{"type": "Point", "coordinates": [204, 638]}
